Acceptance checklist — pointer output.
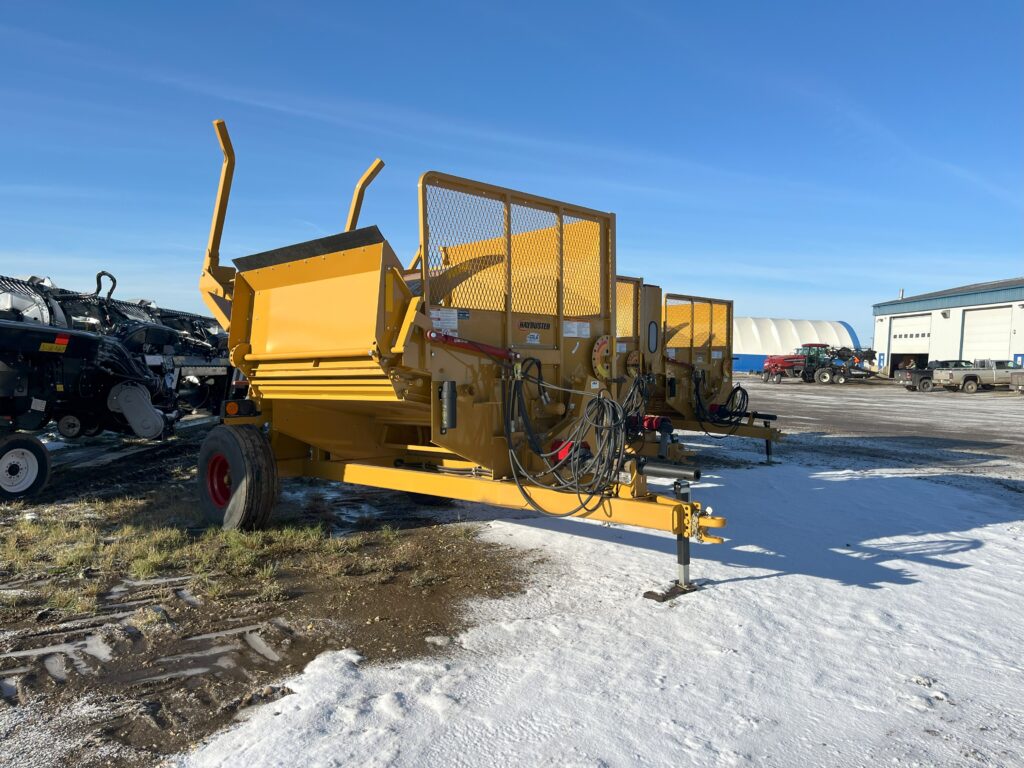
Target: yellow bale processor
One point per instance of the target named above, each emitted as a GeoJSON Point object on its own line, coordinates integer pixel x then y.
{"type": "Point", "coordinates": [483, 371]}
{"type": "Point", "coordinates": [684, 343]}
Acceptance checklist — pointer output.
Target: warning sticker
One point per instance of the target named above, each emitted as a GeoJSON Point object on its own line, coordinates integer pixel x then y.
{"type": "Point", "coordinates": [533, 338]}
{"type": "Point", "coordinates": [620, 346]}
{"type": "Point", "coordinates": [716, 354]}
{"type": "Point", "coordinates": [571, 329]}
{"type": "Point", "coordinates": [446, 320]}
{"type": "Point", "coordinates": [58, 345]}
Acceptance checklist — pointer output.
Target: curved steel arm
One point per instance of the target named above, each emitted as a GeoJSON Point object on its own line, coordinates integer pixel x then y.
{"type": "Point", "coordinates": [217, 282]}
{"type": "Point", "coordinates": [357, 196]}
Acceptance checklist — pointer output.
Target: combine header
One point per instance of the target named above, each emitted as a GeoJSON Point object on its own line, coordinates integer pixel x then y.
{"type": "Point", "coordinates": [485, 371]}
{"type": "Point", "coordinates": [89, 362]}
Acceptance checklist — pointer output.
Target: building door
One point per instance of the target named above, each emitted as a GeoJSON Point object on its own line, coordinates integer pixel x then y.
{"type": "Point", "coordinates": [986, 334]}
{"type": "Point", "coordinates": [909, 341]}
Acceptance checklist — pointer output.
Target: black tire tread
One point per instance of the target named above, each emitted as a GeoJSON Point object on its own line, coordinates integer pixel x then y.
{"type": "Point", "coordinates": [45, 463]}
{"type": "Point", "coordinates": [260, 485]}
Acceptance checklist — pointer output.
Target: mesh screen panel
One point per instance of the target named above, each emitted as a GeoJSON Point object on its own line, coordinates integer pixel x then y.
{"type": "Point", "coordinates": [701, 323]}
{"type": "Point", "coordinates": [479, 240]}
{"type": "Point", "coordinates": [678, 323]}
{"type": "Point", "coordinates": [465, 252]}
{"type": "Point", "coordinates": [583, 252]}
{"type": "Point", "coordinates": [692, 323]}
{"type": "Point", "coordinates": [721, 327]}
{"type": "Point", "coordinates": [626, 301]}
{"type": "Point", "coordinates": [534, 253]}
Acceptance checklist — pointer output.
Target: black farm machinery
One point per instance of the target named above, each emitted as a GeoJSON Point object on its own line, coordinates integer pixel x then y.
{"type": "Point", "coordinates": [86, 363]}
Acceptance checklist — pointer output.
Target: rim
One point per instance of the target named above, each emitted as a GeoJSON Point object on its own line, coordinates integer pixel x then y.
{"type": "Point", "coordinates": [69, 425]}
{"type": "Point", "coordinates": [218, 479]}
{"type": "Point", "coordinates": [19, 469]}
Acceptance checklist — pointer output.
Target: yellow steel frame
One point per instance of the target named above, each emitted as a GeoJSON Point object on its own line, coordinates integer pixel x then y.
{"type": "Point", "coordinates": [350, 393]}
{"type": "Point", "coordinates": [510, 198]}
{"type": "Point", "coordinates": [661, 513]}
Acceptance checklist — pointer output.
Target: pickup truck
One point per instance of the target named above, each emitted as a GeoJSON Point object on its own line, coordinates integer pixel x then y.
{"type": "Point", "coordinates": [984, 374]}
{"type": "Point", "coordinates": [1017, 381]}
{"type": "Point", "coordinates": [920, 379]}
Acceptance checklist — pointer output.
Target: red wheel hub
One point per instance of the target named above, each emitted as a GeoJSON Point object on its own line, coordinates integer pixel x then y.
{"type": "Point", "coordinates": [218, 479]}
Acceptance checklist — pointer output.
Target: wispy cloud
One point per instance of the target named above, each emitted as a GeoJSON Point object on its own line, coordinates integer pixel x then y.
{"type": "Point", "coordinates": [862, 120]}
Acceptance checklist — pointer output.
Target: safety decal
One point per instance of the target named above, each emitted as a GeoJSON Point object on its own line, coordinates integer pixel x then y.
{"type": "Point", "coordinates": [58, 345]}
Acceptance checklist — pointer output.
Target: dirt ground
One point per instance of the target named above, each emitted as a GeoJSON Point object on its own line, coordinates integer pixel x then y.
{"type": "Point", "coordinates": [129, 631]}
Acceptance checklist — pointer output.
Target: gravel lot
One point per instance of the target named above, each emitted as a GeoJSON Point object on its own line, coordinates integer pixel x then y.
{"type": "Point", "coordinates": [987, 422]}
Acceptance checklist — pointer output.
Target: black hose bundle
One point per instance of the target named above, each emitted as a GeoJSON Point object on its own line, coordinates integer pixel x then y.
{"type": "Point", "coordinates": [729, 414]}
{"type": "Point", "coordinates": [572, 465]}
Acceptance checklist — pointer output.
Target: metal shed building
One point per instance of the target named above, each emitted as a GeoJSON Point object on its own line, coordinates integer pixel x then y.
{"type": "Point", "coordinates": [754, 338]}
{"type": "Point", "coordinates": [973, 322]}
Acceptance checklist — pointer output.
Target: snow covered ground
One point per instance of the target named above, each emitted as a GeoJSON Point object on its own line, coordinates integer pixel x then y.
{"type": "Point", "coordinates": [866, 609]}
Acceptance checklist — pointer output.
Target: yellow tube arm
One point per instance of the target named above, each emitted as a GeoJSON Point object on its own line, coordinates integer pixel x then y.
{"type": "Point", "coordinates": [216, 282]}
{"type": "Point", "coordinates": [357, 196]}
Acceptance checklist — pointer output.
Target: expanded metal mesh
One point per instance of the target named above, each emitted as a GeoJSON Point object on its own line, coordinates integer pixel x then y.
{"type": "Point", "coordinates": [534, 252]}
{"type": "Point", "coordinates": [693, 323]}
{"type": "Point", "coordinates": [678, 323]}
{"type": "Point", "coordinates": [721, 325]}
{"type": "Point", "coordinates": [701, 323]}
{"type": "Point", "coordinates": [481, 243]}
{"type": "Point", "coordinates": [583, 253]}
{"type": "Point", "coordinates": [466, 249]}
{"type": "Point", "coordinates": [626, 301]}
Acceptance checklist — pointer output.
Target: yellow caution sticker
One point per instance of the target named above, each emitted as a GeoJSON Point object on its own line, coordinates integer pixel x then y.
{"type": "Point", "coordinates": [58, 345]}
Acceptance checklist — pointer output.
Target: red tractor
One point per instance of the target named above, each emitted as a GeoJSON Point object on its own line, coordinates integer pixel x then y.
{"type": "Point", "coordinates": [820, 363]}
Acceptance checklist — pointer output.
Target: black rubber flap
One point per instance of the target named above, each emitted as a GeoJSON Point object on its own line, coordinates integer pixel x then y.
{"type": "Point", "coordinates": [331, 244]}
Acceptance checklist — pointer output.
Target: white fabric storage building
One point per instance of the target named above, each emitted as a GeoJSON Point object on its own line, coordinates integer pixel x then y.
{"type": "Point", "coordinates": [754, 338]}
{"type": "Point", "coordinates": [982, 321]}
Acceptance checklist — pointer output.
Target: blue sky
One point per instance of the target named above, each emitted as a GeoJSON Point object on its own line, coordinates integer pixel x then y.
{"type": "Point", "coordinates": [806, 159]}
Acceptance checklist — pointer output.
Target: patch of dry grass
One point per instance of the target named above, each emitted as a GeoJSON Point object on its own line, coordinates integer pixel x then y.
{"type": "Point", "coordinates": [161, 533]}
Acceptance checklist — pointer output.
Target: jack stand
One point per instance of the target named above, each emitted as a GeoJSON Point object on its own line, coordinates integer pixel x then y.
{"type": "Point", "coordinates": [663, 443]}
{"type": "Point", "coordinates": [682, 585]}
{"type": "Point", "coordinates": [767, 448]}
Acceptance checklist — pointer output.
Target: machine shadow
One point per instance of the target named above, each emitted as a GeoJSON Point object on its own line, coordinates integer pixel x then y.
{"type": "Point", "coordinates": [816, 526]}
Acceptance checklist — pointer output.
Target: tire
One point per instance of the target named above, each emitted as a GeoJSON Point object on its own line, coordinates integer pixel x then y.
{"type": "Point", "coordinates": [777, 378]}
{"type": "Point", "coordinates": [24, 467]}
{"type": "Point", "coordinates": [970, 387]}
{"type": "Point", "coordinates": [765, 376]}
{"type": "Point", "coordinates": [238, 483]}
{"type": "Point", "coordinates": [911, 388]}
{"type": "Point", "coordinates": [824, 376]}
{"type": "Point", "coordinates": [70, 426]}
{"type": "Point", "coordinates": [92, 428]}
{"type": "Point", "coordinates": [925, 385]}
{"type": "Point", "coordinates": [840, 378]}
